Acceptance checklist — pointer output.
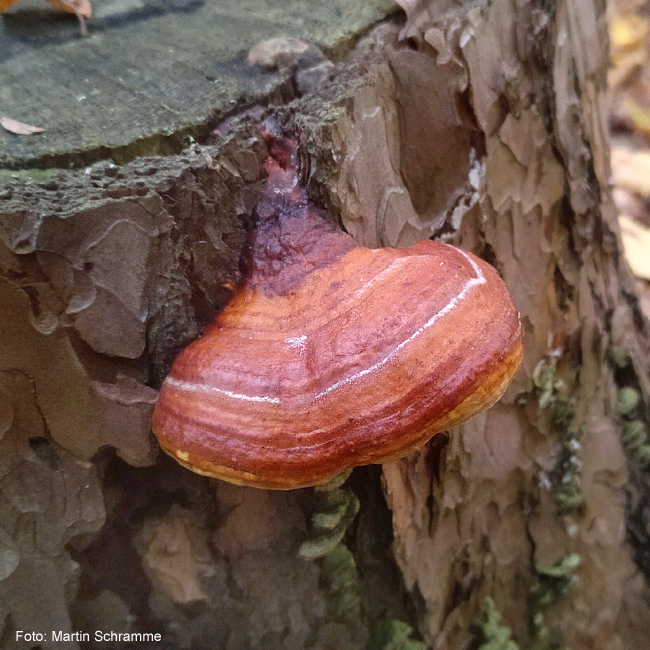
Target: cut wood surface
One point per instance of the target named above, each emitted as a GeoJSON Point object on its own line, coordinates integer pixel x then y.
{"type": "Point", "coordinates": [150, 74]}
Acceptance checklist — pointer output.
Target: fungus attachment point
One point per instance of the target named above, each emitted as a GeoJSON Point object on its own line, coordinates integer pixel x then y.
{"type": "Point", "coordinates": [333, 355]}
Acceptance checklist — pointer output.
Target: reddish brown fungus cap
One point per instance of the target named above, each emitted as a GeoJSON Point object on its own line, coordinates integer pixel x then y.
{"type": "Point", "coordinates": [333, 355]}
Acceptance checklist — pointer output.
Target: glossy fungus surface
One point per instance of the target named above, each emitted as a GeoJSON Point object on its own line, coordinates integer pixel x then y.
{"type": "Point", "coordinates": [333, 355]}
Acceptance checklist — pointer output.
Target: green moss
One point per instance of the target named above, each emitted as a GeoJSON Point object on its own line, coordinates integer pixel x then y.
{"type": "Point", "coordinates": [553, 581]}
{"type": "Point", "coordinates": [334, 512]}
{"type": "Point", "coordinates": [336, 508]}
{"type": "Point", "coordinates": [636, 440]}
{"type": "Point", "coordinates": [553, 394]}
{"type": "Point", "coordinates": [563, 410]}
{"type": "Point", "coordinates": [619, 356]}
{"type": "Point", "coordinates": [636, 436]}
{"type": "Point", "coordinates": [495, 635]}
{"type": "Point", "coordinates": [628, 400]}
{"type": "Point", "coordinates": [333, 509]}
{"type": "Point", "coordinates": [341, 580]}
{"type": "Point", "coordinates": [391, 634]}
{"type": "Point", "coordinates": [560, 570]}
{"type": "Point", "coordinates": [547, 384]}
{"type": "Point", "coordinates": [321, 546]}
{"type": "Point", "coordinates": [335, 483]}
{"type": "Point", "coordinates": [40, 175]}
{"type": "Point", "coordinates": [568, 491]}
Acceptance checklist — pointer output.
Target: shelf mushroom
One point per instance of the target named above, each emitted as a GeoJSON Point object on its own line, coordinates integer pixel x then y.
{"type": "Point", "coordinates": [332, 355]}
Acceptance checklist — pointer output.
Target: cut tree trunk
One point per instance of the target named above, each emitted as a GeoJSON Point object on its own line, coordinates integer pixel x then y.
{"type": "Point", "coordinates": [480, 124]}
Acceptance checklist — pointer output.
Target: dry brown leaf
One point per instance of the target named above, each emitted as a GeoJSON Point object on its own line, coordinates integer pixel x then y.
{"type": "Point", "coordinates": [631, 170]}
{"type": "Point", "coordinates": [19, 128]}
{"type": "Point", "coordinates": [82, 9]}
{"type": "Point", "coordinates": [632, 204]}
{"type": "Point", "coordinates": [639, 114]}
{"type": "Point", "coordinates": [78, 7]}
{"type": "Point", "coordinates": [636, 242]}
{"type": "Point", "coordinates": [643, 291]}
{"type": "Point", "coordinates": [628, 35]}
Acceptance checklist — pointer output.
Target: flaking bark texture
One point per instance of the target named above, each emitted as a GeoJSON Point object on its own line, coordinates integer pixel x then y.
{"type": "Point", "coordinates": [482, 126]}
{"type": "Point", "coordinates": [509, 99]}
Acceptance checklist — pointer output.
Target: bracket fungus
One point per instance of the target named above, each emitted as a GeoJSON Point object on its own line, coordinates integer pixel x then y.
{"type": "Point", "coordinates": [332, 355]}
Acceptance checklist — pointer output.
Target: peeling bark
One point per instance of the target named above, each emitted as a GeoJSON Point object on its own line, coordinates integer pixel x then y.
{"type": "Point", "coordinates": [483, 125]}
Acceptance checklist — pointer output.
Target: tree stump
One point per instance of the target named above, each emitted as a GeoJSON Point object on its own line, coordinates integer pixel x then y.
{"type": "Point", "coordinates": [122, 227]}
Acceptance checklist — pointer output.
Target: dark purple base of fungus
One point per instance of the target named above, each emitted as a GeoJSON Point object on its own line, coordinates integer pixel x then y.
{"type": "Point", "coordinates": [332, 355]}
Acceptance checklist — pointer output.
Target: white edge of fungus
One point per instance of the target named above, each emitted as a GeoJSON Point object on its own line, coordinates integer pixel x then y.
{"type": "Point", "coordinates": [479, 279]}
{"type": "Point", "coordinates": [179, 384]}
{"type": "Point", "coordinates": [188, 386]}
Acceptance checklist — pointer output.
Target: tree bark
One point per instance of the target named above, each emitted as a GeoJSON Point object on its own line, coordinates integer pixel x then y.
{"type": "Point", "coordinates": [478, 124]}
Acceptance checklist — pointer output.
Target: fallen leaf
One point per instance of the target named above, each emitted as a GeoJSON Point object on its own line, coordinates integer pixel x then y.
{"type": "Point", "coordinates": [643, 291]}
{"type": "Point", "coordinates": [82, 9]}
{"type": "Point", "coordinates": [77, 7]}
{"type": "Point", "coordinates": [639, 114]}
{"type": "Point", "coordinates": [628, 35]}
{"type": "Point", "coordinates": [636, 242]}
{"type": "Point", "coordinates": [632, 204]}
{"type": "Point", "coordinates": [19, 128]}
{"type": "Point", "coordinates": [631, 170]}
